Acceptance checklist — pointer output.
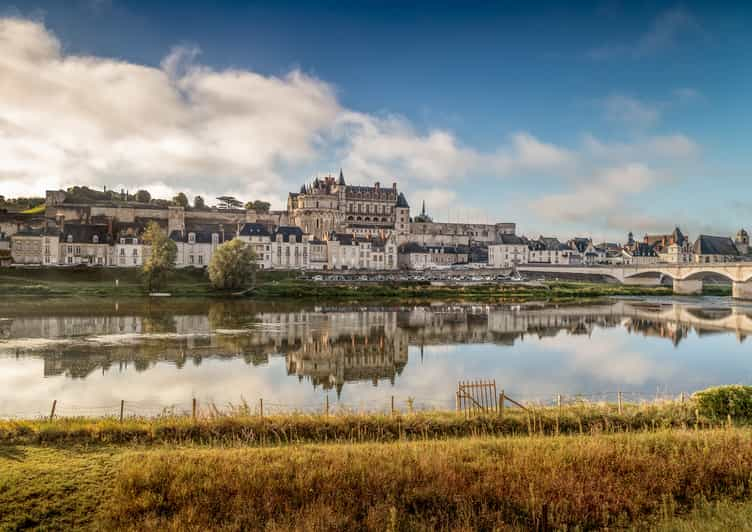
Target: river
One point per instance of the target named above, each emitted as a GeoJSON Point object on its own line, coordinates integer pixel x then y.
{"type": "Point", "coordinates": [89, 354]}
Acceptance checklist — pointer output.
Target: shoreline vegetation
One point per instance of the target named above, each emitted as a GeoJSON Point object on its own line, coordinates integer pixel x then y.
{"type": "Point", "coordinates": [106, 282]}
{"type": "Point", "coordinates": [667, 466]}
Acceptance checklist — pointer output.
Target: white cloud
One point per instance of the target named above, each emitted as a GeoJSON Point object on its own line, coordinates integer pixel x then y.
{"type": "Point", "coordinates": [71, 119]}
{"type": "Point", "coordinates": [630, 111]}
{"type": "Point", "coordinates": [391, 147]}
{"type": "Point", "coordinates": [672, 147]}
{"type": "Point", "coordinates": [80, 119]}
{"type": "Point", "coordinates": [665, 33]}
{"type": "Point", "coordinates": [596, 197]}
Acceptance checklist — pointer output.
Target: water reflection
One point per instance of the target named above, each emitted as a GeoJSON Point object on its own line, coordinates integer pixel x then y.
{"type": "Point", "coordinates": [587, 347]}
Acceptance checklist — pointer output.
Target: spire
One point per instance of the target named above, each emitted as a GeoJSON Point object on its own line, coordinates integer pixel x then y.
{"type": "Point", "coordinates": [423, 210]}
{"type": "Point", "coordinates": [341, 180]}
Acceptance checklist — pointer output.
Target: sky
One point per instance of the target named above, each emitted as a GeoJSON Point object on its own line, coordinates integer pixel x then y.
{"type": "Point", "coordinates": [568, 118]}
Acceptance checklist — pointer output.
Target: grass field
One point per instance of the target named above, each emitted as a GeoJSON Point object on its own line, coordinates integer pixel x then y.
{"type": "Point", "coordinates": [671, 480]}
{"type": "Point", "coordinates": [668, 466]}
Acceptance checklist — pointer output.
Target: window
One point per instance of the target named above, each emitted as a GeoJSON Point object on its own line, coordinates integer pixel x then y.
{"type": "Point", "coordinates": [190, 259]}
{"type": "Point", "coordinates": [191, 238]}
{"type": "Point", "coordinates": [95, 239]}
{"type": "Point", "coordinates": [200, 259]}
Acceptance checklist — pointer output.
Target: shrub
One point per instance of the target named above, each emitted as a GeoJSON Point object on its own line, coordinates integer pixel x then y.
{"type": "Point", "coordinates": [723, 401]}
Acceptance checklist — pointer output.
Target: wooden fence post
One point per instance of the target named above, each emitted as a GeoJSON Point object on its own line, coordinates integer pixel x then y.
{"type": "Point", "coordinates": [194, 409]}
{"type": "Point", "coordinates": [457, 401]}
{"type": "Point", "coordinates": [682, 397]}
{"type": "Point", "coordinates": [501, 404]}
{"type": "Point", "coordinates": [122, 407]}
{"type": "Point", "coordinates": [620, 400]}
{"type": "Point", "coordinates": [52, 412]}
{"type": "Point", "coordinates": [392, 410]}
{"type": "Point", "coordinates": [261, 407]}
{"type": "Point", "coordinates": [327, 405]}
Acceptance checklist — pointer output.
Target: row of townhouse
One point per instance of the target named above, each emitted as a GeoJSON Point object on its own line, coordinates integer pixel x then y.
{"type": "Point", "coordinates": [675, 248]}
{"type": "Point", "coordinates": [282, 247]}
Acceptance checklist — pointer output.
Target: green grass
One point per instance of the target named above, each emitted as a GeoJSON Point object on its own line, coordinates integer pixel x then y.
{"type": "Point", "coordinates": [670, 480]}
{"type": "Point", "coordinates": [276, 285]}
{"type": "Point", "coordinates": [38, 209]}
{"type": "Point", "coordinates": [554, 292]}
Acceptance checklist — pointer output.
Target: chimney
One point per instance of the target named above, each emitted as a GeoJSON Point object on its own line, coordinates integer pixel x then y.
{"type": "Point", "coordinates": [394, 187]}
{"type": "Point", "coordinates": [377, 185]}
{"type": "Point", "coordinates": [60, 220]}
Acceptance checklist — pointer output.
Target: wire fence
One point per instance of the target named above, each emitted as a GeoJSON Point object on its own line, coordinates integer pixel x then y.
{"type": "Point", "coordinates": [389, 404]}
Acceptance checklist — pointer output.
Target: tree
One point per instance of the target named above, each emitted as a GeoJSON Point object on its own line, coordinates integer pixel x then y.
{"type": "Point", "coordinates": [161, 260]}
{"type": "Point", "coordinates": [143, 196]}
{"type": "Point", "coordinates": [181, 200]}
{"type": "Point", "coordinates": [233, 266]}
{"type": "Point", "coordinates": [258, 206]}
{"type": "Point", "coordinates": [198, 203]}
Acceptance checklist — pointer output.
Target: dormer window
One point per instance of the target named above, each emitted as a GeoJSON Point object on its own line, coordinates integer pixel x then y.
{"type": "Point", "coordinates": [122, 240]}
{"type": "Point", "coordinates": [191, 238]}
{"type": "Point", "coordinates": [215, 238]}
{"type": "Point", "coordinates": [95, 239]}
{"type": "Point", "coordinates": [69, 238]}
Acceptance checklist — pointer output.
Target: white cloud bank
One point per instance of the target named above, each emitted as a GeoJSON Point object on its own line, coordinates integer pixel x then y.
{"type": "Point", "coordinates": [182, 126]}
{"type": "Point", "coordinates": [70, 119]}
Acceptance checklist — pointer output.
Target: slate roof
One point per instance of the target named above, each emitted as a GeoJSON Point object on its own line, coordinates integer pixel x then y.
{"type": "Point", "coordinates": [402, 201]}
{"type": "Point", "coordinates": [288, 230]}
{"type": "Point", "coordinates": [254, 229]}
{"type": "Point", "coordinates": [715, 245]}
{"type": "Point", "coordinates": [511, 240]}
{"type": "Point", "coordinates": [84, 233]}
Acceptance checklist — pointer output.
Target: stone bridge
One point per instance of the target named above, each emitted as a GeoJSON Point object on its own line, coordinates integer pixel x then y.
{"type": "Point", "coordinates": [687, 278]}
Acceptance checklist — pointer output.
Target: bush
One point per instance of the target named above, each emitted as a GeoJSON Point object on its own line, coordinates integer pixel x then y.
{"type": "Point", "coordinates": [723, 401]}
{"type": "Point", "coordinates": [232, 266]}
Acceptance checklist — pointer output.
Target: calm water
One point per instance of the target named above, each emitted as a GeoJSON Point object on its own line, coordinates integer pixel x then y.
{"type": "Point", "coordinates": [90, 354]}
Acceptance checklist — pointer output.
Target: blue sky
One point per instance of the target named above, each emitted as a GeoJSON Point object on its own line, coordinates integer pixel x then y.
{"type": "Point", "coordinates": [591, 118]}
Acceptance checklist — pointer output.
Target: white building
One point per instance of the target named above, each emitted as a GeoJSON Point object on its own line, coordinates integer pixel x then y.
{"type": "Point", "coordinates": [349, 252]}
{"type": "Point", "coordinates": [195, 247]}
{"type": "Point", "coordinates": [128, 252]}
{"type": "Point", "coordinates": [260, 239]}
{"type": "Point", "coordinates": [414, 256]}
{"type": "Point", "coordinates": [509, 252]}
{"type": "Point", "coordinates": [289, 248]}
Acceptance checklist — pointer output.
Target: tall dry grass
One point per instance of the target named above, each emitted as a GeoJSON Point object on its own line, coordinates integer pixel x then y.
{"type": "Point", "coordinates": [244, 429]}
{"type": "Point", "coordinates": [474, 484]}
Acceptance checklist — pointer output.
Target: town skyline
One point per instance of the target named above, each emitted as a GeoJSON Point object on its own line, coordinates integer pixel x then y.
{"type": "Point", "coordinates": [620, 129]}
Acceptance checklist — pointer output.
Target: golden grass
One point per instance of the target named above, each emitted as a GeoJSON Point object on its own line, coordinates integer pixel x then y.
{"type": "Point", "coordinates": [242, 428]}
{"type": "Point", "coordinates": [670, 480]}
{"type": "Point", "coordinates": [586, 482]}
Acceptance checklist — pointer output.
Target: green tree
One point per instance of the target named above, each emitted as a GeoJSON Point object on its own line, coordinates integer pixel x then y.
{"type": "Point", "coordinates": [143, 196]}
{"type": "Point", "coordinates": [161, 260]}
{"type": "Point", "coordinates": [198, 202]}
{"type": "Point", "coordinates": [233, 266]}
{"type": "Point", "coordinates": [181, 200]}
{"type": "Point", "coordinates": [258, 206]}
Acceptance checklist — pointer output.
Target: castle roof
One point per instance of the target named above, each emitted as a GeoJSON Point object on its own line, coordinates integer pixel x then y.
{"type": "Point", "coordinates": [715, 245]}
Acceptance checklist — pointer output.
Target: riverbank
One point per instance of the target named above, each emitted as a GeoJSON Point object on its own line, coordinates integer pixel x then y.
{"type": "Point", "coordinates": [650, 479]}
{"type": "Point", "coordinates": [276, 286]}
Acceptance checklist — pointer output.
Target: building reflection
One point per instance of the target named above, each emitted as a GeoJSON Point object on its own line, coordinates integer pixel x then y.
{"type": "Point", "coordinates": [326, 347]}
